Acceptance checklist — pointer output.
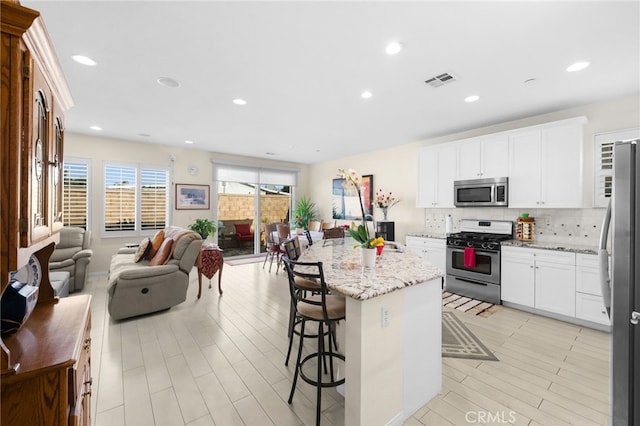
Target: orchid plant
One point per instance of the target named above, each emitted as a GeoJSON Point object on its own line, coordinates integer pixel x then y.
{"type": "Point", "coordinates": [353, 180]}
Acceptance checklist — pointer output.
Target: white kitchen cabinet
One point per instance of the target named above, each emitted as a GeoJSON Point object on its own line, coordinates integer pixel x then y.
{"type": "Point", "coordinates": [436, 173]}
{"type": "Point", "coordinates": [517, 276]}
{"type": "Point", "coordinates": [591, 308]}
{"type": "Point", "coordinates": [556, 287]}
{"type": "Point", "coordinates": [483, 157]}
{"type": "Point", "coordinates": [545, 165]}
{"type": "Point", "coordinates": [589, 303]}
{"type": "Point", "coordinates": [541, 279]}
{"type": "Point", "coordinates": [431, 249]}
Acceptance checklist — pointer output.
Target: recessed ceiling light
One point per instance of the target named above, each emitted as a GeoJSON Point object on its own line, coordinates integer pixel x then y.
{"type": "Point", "coordinates": [393, 48]}
{"type": "Point", "coordinates": [189, 142]}
{"type": "Point", "coordinates": [168, 82]}
{"type": "Point", "coordinates": [95, 128]}
{"type": "Point", "coordinates": [471, 98]}
{"type": "Point", "coordinates": [578, 66]}
{"type": "Point", "coordinates": [366, 94]}
{"type": "Point", "coordinates": [84, 60]}
{"type": "Point", "coordinates": [239, 101]}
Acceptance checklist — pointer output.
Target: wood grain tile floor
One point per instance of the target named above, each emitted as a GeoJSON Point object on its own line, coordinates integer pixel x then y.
{"type": "Point", "coordinates": [220, 361]}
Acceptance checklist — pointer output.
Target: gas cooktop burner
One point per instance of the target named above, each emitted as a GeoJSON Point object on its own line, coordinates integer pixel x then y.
{"type": "Point", "coordinates": [478, 236]}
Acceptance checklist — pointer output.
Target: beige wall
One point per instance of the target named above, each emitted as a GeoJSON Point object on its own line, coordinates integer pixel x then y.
{"type": "Point", "coordinates": [395, 169]}
{"type": "Point", "coordinates": [99, 149]}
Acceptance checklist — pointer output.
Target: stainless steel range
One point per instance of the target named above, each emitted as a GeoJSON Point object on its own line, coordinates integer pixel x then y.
{"type": "Point", "coordinates": [473, 258]}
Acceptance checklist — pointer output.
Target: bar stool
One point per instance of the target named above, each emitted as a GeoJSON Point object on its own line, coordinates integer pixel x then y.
{"type": "Point", "coordinates": [325, 309]}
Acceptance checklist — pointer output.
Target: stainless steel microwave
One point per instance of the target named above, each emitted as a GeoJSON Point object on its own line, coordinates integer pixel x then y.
{"type": "Point", "coordinates": [493, 192]}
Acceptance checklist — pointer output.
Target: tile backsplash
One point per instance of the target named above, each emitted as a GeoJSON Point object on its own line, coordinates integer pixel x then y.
{"type": "Point", "coordinates": [566, 226]}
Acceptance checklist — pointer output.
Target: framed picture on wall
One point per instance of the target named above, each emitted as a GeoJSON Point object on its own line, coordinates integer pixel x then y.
{"type": "Point", "coordinates": [192, 197]}
{"type": "Point", "coordinates": [345, 203]}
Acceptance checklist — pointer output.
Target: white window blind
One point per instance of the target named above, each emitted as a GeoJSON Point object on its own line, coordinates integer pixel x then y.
{"type": "Point", "coordinates": [246, 174]}
{"type": "Point", "coordinates": [603, 168]}
{"type": "Point", "coordinates": [75, 193]}
{"type": "Point", "coordinates": [135, 199]}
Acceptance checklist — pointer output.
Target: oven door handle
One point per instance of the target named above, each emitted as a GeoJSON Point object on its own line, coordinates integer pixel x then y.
{"type": "Point", "coordinates": [479, 251]}
{"type": "Point", "coordinates": [471, 281]}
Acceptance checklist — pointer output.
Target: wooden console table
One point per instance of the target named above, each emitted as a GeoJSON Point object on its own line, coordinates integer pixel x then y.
{"type": "Point", "coordinates": [209, 262]}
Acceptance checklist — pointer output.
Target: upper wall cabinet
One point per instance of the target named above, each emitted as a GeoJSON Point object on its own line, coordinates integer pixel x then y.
{"type": "Point", "coordinates": [436, 173]}
{"type": "Point", "coordinates": [483, 157]}
{"type": "Point", "coordinates": [545, 165]}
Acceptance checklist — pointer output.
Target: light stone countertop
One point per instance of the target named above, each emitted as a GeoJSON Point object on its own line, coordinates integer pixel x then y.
{"type": "Point", "coordinates": [427, 235]}
{"type": "Point", "coordinates": [559, 246]}
{"type": "Point", "coordinates": [552, 246]}
{"type": "Point", "coordinates": [343, 274]}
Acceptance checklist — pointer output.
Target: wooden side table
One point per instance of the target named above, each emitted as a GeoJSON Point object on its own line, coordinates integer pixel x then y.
{"type": "Point", "coordinates": [209, 262]}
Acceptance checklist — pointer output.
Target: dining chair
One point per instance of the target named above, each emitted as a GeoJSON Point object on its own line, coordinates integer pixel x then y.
{"type": "Point", "coordinates": [324, 309]}
{"type": "Point", "coordinates": [314, 225]}
{"type": "Point", "coordinates": [284, 231]}
{"type": "Point", "coordinates": [274, 248]}
{"type": "Point", "coordinates": [332, 233]}
{"type": "Point", "coordinates": [309, 238]}
{"type": "Point", "coordinates": [292, 248]}
{"type": "Point", "coordinates": [326, 225]}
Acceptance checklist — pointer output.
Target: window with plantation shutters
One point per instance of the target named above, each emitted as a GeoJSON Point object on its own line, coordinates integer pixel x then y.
{"type": "Point", "coordinates": [154, 198]}
{"type": "Point", "coordinates": [136, 199]}
{"type": "Point", "coordinates": [75, 193]}
{"type": "Point", "coordinates": [603, 168]}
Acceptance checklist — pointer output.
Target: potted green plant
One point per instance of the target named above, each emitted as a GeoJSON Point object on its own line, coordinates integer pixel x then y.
{"type": "Point", "coordinates": [204, 227]}
{"type": "Point", "coordinates": [304, 212]}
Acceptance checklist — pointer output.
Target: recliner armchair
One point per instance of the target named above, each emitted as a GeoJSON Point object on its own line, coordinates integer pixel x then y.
{"type": "Point", "coordinates": [72, 254]}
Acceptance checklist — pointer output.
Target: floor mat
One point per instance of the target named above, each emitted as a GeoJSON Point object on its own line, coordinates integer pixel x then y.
{"type": "Point", "coordinates": [459, 342]}
{"type": "Point", "coordinates": [468, 305]}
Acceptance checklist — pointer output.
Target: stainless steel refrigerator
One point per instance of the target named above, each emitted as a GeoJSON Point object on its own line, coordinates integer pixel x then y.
{"type": "Point", "coordinates": [620, 286]}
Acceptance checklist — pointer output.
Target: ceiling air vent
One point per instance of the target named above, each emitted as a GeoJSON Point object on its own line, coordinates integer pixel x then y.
{"type": "Point", "coordinates": [440, 80]}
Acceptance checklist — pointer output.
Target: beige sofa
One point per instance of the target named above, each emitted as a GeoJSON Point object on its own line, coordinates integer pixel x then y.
{"type": "Point", "coordinates": [135, 288]}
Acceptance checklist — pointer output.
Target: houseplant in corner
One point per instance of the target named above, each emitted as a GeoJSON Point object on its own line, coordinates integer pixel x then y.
{"type": "Point", "coordinates": [204, 227]}
{"type": "Point", "coordinates": [304, 212]}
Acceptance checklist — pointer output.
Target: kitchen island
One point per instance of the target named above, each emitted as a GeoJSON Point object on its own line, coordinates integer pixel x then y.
{"type": "Point", "coordinates": [392, 332]}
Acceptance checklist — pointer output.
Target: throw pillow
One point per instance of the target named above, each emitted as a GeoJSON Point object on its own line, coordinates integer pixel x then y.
{"type": "Point", "coordinates": [165, 250]}
{"type": "Point", "coordinates": [143, 249]}
{"type": "Point", "coordinates": [156, 242]}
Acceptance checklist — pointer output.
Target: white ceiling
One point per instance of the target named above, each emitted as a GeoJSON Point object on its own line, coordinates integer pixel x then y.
{"type": "Point", "coordinates": [302, 66]}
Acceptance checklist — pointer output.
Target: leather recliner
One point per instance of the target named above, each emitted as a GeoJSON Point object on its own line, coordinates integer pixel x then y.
{"type": "Point", "coordinates": [73, 254]}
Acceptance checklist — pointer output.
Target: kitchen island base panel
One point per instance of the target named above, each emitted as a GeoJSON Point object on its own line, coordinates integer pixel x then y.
{"type": "Point", "coordinates": [392, 371]}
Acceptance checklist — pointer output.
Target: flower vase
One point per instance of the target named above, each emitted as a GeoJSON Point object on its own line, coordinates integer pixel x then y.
{"type": "Point", "coordinates": [367, 257]}
{"type": "Point", "coordinates": [385, 210]}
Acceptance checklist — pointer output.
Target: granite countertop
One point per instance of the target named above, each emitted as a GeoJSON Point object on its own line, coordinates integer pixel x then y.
{"type": "Point", "coordinates": [423, 234]}
{"type": "Point", "coordinates": [575, 248]}
{"type": "Point", "coordinates": [394, 269]}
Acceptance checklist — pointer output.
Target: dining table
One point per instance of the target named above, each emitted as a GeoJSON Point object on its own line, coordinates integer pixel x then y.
{"type": "Point", "coordinates": [391, 338]}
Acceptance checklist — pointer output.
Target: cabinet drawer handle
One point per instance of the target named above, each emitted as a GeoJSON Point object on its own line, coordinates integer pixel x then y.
{"type": "Point", "coordinates": [89, 382]}
{"type": "Point", "coordinates": [87, 393]}
{"type": "Point", "coordinates": [87, 343]}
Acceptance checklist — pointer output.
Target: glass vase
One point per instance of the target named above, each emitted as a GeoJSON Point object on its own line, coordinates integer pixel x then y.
{"type": "Point", "coordinates": [385, 211]}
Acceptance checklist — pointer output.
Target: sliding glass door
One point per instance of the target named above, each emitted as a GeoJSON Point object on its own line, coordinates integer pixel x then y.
{"type": "Point", "coordinates": [247, 198]}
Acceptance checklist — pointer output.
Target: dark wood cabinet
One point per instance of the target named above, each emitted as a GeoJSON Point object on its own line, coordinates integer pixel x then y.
{"type": "Point", "coordinates": [46, 365]}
